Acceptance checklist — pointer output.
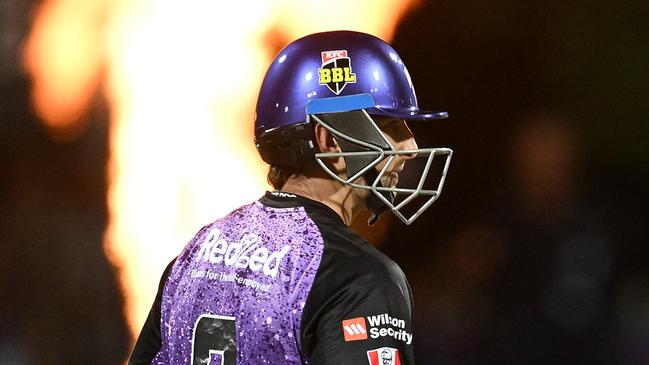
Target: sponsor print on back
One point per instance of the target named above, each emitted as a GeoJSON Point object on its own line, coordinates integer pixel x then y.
{"type": "Point", "coordinates": [247, 253]}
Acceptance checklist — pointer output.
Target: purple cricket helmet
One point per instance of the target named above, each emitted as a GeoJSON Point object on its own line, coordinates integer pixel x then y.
{"type": "Point", "coordinates": [334, 64]}
{"type": "Point", "coordinates": [340, 80]}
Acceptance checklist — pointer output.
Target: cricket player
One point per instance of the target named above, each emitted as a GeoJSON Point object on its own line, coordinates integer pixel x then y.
{"type": "Point", "coordinates": [284, 279]}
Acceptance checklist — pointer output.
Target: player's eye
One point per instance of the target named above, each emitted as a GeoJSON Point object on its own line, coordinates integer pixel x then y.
{"type": "Point", "coordinates": [397, 129]}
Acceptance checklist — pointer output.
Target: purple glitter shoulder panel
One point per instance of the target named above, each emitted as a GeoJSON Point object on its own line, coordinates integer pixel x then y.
{"type": "Point", "coordinates": [237, 290]}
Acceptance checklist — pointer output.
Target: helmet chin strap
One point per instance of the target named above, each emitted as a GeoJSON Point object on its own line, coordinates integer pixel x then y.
{"type": "Point", "coordinates": [375, 205]}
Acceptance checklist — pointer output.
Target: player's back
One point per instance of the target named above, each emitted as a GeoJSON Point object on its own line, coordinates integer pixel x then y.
{"type": "Point", "coordinates": [280, 281]}
{"type": "Point", "coordinates": [238, 289]}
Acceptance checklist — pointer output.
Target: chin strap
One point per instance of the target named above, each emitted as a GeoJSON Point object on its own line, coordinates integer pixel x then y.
{"type": "Point", "coordinates": [375, 205]}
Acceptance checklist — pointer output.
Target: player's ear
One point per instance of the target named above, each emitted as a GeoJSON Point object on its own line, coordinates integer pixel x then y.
{"type": "Point", "coordinates": [325, 140]}
{"type": "Point", "coordinates": [326, 143]}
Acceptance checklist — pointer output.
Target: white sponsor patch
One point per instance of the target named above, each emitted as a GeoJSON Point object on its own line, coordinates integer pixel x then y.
{"type": "Point", "coordinates": [384, 356]}
{"type": "Point", "coordinates": [384, 325]}
{"type": "Point", "coordinates": [380, 325]}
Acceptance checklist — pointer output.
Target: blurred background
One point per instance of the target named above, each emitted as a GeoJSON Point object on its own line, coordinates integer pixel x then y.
{"type": "Point", "coordinates": [126, 125]}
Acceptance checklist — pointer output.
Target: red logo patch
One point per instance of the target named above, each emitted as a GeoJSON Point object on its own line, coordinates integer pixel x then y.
{"type": "Point", "coordinates": [384, 356]}
{"type": "Point", "coordinates": [355, 329]}
{"type": "Point", "coordinates": [328, 56]}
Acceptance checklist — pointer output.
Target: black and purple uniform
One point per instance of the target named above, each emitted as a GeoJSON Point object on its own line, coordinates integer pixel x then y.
{"type": "Point", "coordinates": [280, 281]}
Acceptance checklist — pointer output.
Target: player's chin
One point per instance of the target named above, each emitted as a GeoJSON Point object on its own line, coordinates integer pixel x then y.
{"type": "Point", "coordinates": [390, 180]}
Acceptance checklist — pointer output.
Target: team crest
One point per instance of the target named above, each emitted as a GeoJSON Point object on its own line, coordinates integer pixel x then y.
{"type": "Point", "coordinates": [384, 356]}
{"type": "Point", "coordinates": [336, 71]}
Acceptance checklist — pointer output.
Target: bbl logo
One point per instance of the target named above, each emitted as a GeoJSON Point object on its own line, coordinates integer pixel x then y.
{"type": "Point", "coordinates": [336, 71]}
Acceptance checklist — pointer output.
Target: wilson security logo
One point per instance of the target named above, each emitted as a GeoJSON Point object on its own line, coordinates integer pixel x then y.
{"type": "Point", "coordinates": [384, 356]}
{"type": "Point", "coordinates": [246, 253]}
{"type": "Point", "coordinates": [355, 329]}
{"type": "Point", "coordinates": [381, 325]}
{"type": "Point", "coordinates": [336, 71]}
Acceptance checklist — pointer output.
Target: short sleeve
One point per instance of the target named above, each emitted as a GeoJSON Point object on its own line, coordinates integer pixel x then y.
{"type": "Point", "coordinates": [358, 313]}
{"type": "Point", "coordinates": [149, 341]}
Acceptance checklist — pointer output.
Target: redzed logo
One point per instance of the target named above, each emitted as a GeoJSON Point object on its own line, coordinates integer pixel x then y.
{"type": "Point", "coordinates": [384, 356]}
{"type": "Point", "coordinates": [355, 329]}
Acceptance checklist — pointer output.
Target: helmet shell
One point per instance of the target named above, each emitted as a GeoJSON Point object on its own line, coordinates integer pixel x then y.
{"type": "Point", "coordinates": [332, 65]}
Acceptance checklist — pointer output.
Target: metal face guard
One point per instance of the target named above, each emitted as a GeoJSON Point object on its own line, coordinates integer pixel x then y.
{"type": "Point", "coordinates": [373, 154]}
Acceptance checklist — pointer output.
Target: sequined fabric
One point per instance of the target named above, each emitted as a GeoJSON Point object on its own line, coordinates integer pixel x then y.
{"type": "Point", "coordinates": [249, 272]}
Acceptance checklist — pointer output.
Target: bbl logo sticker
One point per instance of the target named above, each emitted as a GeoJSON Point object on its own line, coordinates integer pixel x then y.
{"type": "Point", "coordinates": [336, 71]}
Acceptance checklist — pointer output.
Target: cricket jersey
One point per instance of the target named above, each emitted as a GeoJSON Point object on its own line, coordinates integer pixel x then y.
{"type": "Point", "coordinates": [279, 281]}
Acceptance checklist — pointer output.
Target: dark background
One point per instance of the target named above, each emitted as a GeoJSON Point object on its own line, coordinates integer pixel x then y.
{"type": "Point", "coordinates": [535, 254]}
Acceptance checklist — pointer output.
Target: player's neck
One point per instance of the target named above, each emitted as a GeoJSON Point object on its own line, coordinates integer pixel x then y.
{"type": "Point", "coordinates": [342, 199]}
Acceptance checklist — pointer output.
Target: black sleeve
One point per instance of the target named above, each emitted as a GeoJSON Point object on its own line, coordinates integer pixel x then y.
{"type": "Point", "coordinates": [359, 310]}
{"type": "Point", "coordinates": [149, 341]}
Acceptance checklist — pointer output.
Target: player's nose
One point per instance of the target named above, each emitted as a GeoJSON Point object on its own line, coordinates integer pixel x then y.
{"type": "Point", "coordinates": [408, 143]}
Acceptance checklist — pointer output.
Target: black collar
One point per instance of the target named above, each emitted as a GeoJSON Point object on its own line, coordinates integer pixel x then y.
{"type": "Point", "coordinates": [280, 199]}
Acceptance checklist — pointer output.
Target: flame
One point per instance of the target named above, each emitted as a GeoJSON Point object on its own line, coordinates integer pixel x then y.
{"type": "Point", "coordinates": [65, 56]}
{"type": "Point", "coordinates": [181, 80]}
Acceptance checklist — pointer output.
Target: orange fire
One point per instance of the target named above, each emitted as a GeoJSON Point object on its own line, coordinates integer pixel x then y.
{"type": "Point", "coordinates": [181, 80]}
{"type": "Point", "coordinates": [65, 56]}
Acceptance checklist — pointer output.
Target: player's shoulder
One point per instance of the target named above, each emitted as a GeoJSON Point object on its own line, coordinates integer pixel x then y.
{"type": "Point", "coordinates": [354, 280]}
{"type": "Point", "coordinates": [350, 257]}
